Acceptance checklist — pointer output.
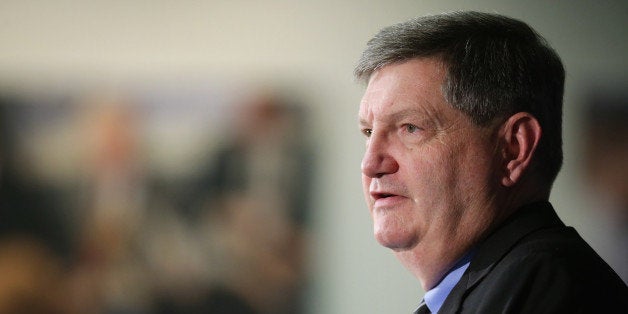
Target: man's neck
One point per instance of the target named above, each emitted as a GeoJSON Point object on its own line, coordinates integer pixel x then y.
{"type": "Point", "coordinates": [431, 266]}
{"type": "Point", "coordinates": [430, 263]}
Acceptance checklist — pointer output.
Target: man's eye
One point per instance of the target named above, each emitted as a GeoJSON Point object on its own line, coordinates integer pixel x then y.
{"type": "Point", "coordinates": [411, 128]}
{"type": "Point", "coordinates": [367, 132]}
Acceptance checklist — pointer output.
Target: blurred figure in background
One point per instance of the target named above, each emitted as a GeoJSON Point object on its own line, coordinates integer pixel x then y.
{"type": "Point", "coordinates": [109, 276]}
{"type": "Point", "coordinates": [606, 170]}
{"type": "Point", "coordinates": [254, 201]}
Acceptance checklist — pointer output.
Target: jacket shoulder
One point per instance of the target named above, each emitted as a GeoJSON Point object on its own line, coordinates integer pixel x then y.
{"type": "Point", "coordinates": [549, 271]}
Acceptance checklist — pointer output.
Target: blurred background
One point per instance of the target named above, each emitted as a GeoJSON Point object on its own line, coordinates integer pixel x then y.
{"type": "Point", "coordinates": [203, 156]}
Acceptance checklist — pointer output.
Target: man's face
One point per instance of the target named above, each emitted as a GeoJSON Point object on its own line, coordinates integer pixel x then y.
{"type": "Point", "coordinates": [427, 171]}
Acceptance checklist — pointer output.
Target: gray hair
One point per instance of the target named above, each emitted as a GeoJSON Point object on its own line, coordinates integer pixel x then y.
{"type": "Point", "coordinates": [496, 66]}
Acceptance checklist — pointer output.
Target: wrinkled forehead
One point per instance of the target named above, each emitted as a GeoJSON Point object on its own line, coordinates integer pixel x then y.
{"type": "Point", "coordinates": [411, 85]}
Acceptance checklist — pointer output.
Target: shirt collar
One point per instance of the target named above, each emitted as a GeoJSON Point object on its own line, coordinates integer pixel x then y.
{"type": "Point", "coordinates": [435, 297]}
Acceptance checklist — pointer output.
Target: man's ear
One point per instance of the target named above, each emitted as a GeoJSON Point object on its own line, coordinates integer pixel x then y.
{"type": "Point", "coordinates": [520, 135]}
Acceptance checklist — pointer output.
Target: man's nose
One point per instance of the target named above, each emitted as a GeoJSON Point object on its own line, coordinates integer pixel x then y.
{"type": "Point", "coordinates": [378, 160]}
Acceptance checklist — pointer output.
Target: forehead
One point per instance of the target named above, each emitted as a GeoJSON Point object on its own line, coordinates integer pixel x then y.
{"type": "Point", "coordinates": [414, 85]}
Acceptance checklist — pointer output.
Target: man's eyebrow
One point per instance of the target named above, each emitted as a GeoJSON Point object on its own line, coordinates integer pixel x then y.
{"type": "Point", "coordinates": [421, 114]}
{"type": "Point", "coordinates": [396, 116]}
{"type": "Point", "coordinates": [410, 112]}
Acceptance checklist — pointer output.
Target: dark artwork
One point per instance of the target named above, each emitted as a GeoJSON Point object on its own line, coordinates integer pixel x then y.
{"type": "Point", "coordinates": [158, 202]}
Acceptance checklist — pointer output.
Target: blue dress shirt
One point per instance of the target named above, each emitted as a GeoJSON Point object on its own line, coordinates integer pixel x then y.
{"type": "Point", "coordinates": [436, 296]}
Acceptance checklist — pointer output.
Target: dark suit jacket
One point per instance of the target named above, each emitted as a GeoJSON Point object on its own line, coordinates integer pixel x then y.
{"type": "Point", "coordinates": [533, 263]}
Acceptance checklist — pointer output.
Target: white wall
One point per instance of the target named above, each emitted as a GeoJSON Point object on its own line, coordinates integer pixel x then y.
{"type": "Point", "coordinates": [317, 43]}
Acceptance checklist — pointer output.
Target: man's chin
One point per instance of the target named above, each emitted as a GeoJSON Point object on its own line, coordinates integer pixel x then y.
{"type": "Point", "coordinates": [394, 240]}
